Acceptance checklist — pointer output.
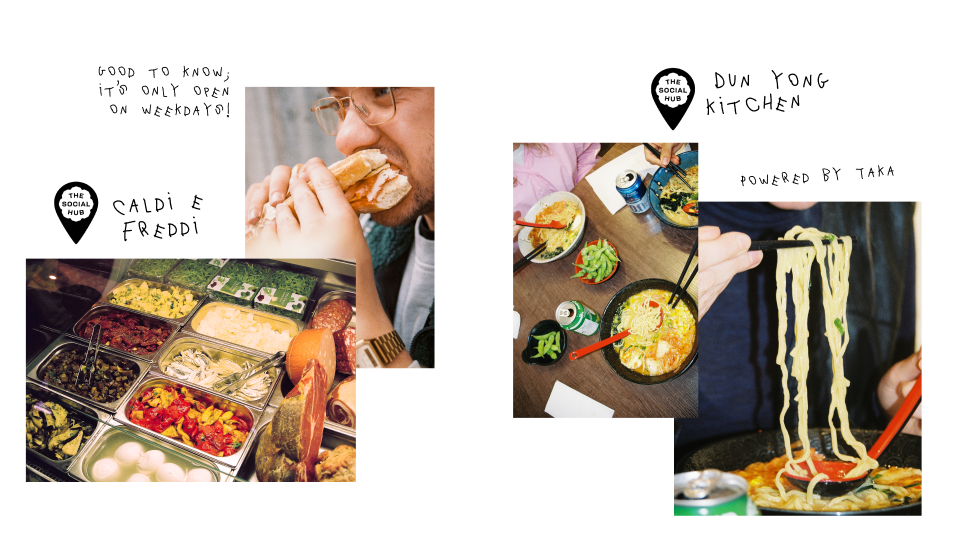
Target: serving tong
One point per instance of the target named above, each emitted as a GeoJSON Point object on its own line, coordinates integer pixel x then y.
{"type": "Point", "coordinates": [90, 360]}
{"type": "Point", "coordinates": [232, 383]}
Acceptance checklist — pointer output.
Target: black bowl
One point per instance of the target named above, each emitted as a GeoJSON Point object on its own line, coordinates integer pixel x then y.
{"type": "Point", "coordinates": [661, 178]}
{"type": "Point", "coordinates": [739, 451]}
{"type": "Point", "coordinates": [606, 330]}
{"type": "Point", "coordinates": [543, 327]}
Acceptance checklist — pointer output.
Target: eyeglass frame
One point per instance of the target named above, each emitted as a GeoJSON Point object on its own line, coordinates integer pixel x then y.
{"type": "Point", "coordinates": [342, 111]}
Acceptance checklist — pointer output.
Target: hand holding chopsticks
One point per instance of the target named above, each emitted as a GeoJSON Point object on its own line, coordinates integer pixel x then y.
{"type": "Point", "coordinates": [673, 168]}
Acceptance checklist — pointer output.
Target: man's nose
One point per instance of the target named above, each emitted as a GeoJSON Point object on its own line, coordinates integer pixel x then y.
{"type": "Point", "coordinates": [355, 133]}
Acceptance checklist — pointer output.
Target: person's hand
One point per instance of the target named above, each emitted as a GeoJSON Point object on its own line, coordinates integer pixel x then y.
{"type": "Point", "coordinates": [273, 188]}
{"type": "Point", "coordinates": [896, 384]}
{"type": "Point", "coordinates": [325, 225]}
{"type": "Point", "coordinates": [516, 230]}
{"type": "Point", "coordinates": [722, 256]}
{"type": "Point", "coordinates": [667, 153]}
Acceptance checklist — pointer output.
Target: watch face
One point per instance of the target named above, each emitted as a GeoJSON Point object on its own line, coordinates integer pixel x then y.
{"type": "Point", "coordinates": [367, 356]}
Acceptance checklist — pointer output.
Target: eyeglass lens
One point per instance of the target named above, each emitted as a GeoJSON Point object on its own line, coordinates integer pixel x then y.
{"type": "Point", "coordinates": [374, 105]}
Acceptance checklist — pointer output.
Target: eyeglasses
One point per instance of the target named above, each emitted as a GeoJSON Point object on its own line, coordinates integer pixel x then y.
{"type": "Point", "coordinates": [374, 106]}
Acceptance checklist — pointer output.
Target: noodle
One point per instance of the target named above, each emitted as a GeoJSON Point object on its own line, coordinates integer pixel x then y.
{"type": "Point", "coordinates": [660, 338]}
{"type": "Point", "coordinates": [557, 240]}
{"type": "Point", "coordinates": [675, 195]}
{"type": "Point", "coordinates": [798, 261]}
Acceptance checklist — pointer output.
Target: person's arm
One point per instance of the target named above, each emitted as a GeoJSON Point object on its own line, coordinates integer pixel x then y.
{"type": "Point", "coordinates": [722, 256]}
{"type": "Point", "coordinates": [896, 384]}
{"type": "Point", "coordinates": [329, 216]}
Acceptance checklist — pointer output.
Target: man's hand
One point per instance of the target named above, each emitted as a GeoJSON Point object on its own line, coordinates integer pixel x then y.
{"type": "Point", "coordinates": [325, 225]}
{"type": "Point", "coordinates": [722, 256]}
{"type": "Point", "coordinates": [273, 188]}
{"type": "Point", "coordinates": [667, 153]}
{"type": "Point", "coordinates": [896, 384]}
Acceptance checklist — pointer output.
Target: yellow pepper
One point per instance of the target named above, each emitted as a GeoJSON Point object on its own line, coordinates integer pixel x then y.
{"type": "Point", "coordinates": [206, 415]}
{"type": "Point", "coordinates": [170, 432]}
{"type": "Point", "coordinates": [136, 415]}
{"type": "Point", "coordinates": [226, 416]}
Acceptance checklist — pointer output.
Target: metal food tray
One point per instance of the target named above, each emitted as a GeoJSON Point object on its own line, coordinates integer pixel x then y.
{"type": "Point", "coordinates": [47, 394]}
{"type": "Point", "coordinates": [277, 322]}
{"type": "Point", "coordinates": [334, 435]}
{"type": "Point", "coordinates": [215, 349]}
{"type": "Point", "coordinates": [64, 343]}
{"type": "Point", "coordinates": [350, 297]}
{"type": "Point", "coordinates": [100, 309]}
{"type": "Point", "coordinates": [250, 416]}
{"type": "Point", "coordinates": [113, 428]}
{"type": "Point", "coordinates": [133, 273]}
{"type": "Point", "coordinates": [198, 296]}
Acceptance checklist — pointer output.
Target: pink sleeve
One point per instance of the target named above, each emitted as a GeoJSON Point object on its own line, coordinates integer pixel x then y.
{"type": "Point", "coordinates": [586, 158]}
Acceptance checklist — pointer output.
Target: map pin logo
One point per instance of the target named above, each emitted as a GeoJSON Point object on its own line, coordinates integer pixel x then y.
{"type": "Point", "coordinates": [672, 91]}
{"type": "Point", "coordinates": [76, 204]}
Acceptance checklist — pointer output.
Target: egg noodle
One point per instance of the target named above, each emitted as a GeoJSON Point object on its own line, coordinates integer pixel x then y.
{"type": "Point", "coordinates": [675, 195]}
{"type": "Point", "coordinates": [834, 262]}
{"type": "Point", "coordinates": [660, 337]}
{"type": "Point", "coordinates": [557, 240]}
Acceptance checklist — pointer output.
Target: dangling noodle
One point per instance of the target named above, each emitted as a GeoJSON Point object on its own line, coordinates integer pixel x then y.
{"type": "Point", "coordinates": [834, 259]}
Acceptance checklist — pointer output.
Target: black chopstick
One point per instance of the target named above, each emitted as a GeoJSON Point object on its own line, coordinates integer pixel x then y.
{"type": "Point", "coordinates": [684, 273]}
{"type": "Point", "coordinates": [677, 171]}
{"type": "Point", "coordinates": [685, 285]}
{"type": "Point", "coordinates": [529, 256]}
{"type": "Point", "coordinates": [770, 245]}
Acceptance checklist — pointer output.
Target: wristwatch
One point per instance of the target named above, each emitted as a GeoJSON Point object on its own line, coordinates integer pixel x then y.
{"type": "Point", "coordinates": [379, 351]}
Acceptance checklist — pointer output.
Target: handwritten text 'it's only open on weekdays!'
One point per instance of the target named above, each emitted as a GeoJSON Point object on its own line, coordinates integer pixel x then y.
{"type": "Point", "coordinates": [190, 92]}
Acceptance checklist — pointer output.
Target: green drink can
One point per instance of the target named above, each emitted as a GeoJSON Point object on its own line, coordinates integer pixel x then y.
{"type": "Point", "coordinates": [573, 315]}
{"type": "Point", "coordinates": [711, 493]}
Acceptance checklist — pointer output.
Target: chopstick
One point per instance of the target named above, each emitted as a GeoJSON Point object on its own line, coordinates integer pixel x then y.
{"type": "Point", "coordinates": [770, 245]}
{"type": "Point", "coordinates": [671, 303]}
{"type": "Point", "coordinates": [677, 171]}
{"type": "Point", "coordinates": [529, 256]}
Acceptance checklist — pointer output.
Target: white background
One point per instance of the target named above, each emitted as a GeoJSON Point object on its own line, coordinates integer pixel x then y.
{"type": "Point", "coordinates": [440, 455]}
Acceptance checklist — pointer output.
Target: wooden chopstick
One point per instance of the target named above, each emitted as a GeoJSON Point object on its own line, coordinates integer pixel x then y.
{"type": "Point", "coordinates": [770, 245]}
{"type": "Point", "coordinates": [529, 256]}
{"type": "Point", "coordinates": [684, 273]}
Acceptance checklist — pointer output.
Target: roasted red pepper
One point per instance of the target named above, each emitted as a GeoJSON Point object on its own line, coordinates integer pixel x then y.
{"type": "Point", "coordinates": [692, 208]}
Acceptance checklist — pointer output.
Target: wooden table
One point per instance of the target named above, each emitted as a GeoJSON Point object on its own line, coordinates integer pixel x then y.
{"type": "Point", "coordinates": [648, 249]}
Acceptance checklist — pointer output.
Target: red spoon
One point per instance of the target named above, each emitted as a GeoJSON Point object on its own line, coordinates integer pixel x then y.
{"type": "Point", "coordinates": [552, 225]}
{"type": "Point", "coordinates": [614, 338]}
{"type": "Point", "coordinates": [838, 484]}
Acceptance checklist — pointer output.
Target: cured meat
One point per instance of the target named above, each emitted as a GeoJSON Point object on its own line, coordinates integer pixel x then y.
{"type": "Point", "coordinates": [334, 315]}
{"type": "Point", "coordinates": [288, 450]}
{"type": "Point", "coordinates": [317, 344]}
{"type": "Point", "coordinates": [346, 343]}
{"type": "Point", "coordinates": [342, 403]}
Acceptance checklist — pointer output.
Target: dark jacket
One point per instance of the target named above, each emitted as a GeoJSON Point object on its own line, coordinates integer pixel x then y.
{"type": "Point", "coordinates": [740, 388]}
{"type": "Point", "coordinates": [390, 248]}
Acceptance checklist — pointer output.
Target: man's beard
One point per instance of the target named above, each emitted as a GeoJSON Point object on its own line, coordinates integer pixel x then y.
{"type": "Point", "coordinates": [415, 204]}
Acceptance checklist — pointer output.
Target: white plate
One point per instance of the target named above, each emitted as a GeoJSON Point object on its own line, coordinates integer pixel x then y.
{"type": "Point", "coordinates": [531, 217]}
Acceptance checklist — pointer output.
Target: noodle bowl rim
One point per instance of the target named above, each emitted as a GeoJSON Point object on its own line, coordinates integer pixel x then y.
{"type": "Point", "coordinates": [653, 192]}
{"type": "Point", "coordinates": [606, 327]}
{"type": "Point", "coordinates": [523, 239]}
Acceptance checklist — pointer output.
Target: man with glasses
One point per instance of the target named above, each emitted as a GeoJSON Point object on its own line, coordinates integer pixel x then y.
{"type": "Point", "coordinates": [394, 255]}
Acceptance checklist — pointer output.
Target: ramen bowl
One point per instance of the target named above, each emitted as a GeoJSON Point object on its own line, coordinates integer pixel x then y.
{"type": "Point", "coordinates": [580, 261]}
{"type": "Point", "coordinates": [660, 179]}
{"type": "Point", "coordinates": [606, 330]}
{"type": "Point", "coordinates": [531, 217]}
{"type": "Point", "coordinates": [739, 451]}
{"type": "Point", "coordinates": [543, 327]}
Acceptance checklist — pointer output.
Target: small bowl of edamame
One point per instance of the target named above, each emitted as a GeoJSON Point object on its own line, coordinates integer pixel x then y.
{"type": "Point", "coordinates": [545, 344]}
{"type": "Point", "coordinates": [603, 259]}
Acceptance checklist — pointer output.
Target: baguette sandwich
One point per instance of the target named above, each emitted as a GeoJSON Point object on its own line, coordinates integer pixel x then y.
{"type": "Point", "coordinates": [368, 181]}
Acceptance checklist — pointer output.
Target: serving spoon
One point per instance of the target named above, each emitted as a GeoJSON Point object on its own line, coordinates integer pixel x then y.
{"type": "Point", "coordinates": [552, 225]}
{"type": "Point", "coordinates": [838, 484]}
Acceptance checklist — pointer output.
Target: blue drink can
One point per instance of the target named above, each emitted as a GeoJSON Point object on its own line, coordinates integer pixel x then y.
{"type": "Point", "coordinates": [633, 191]}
